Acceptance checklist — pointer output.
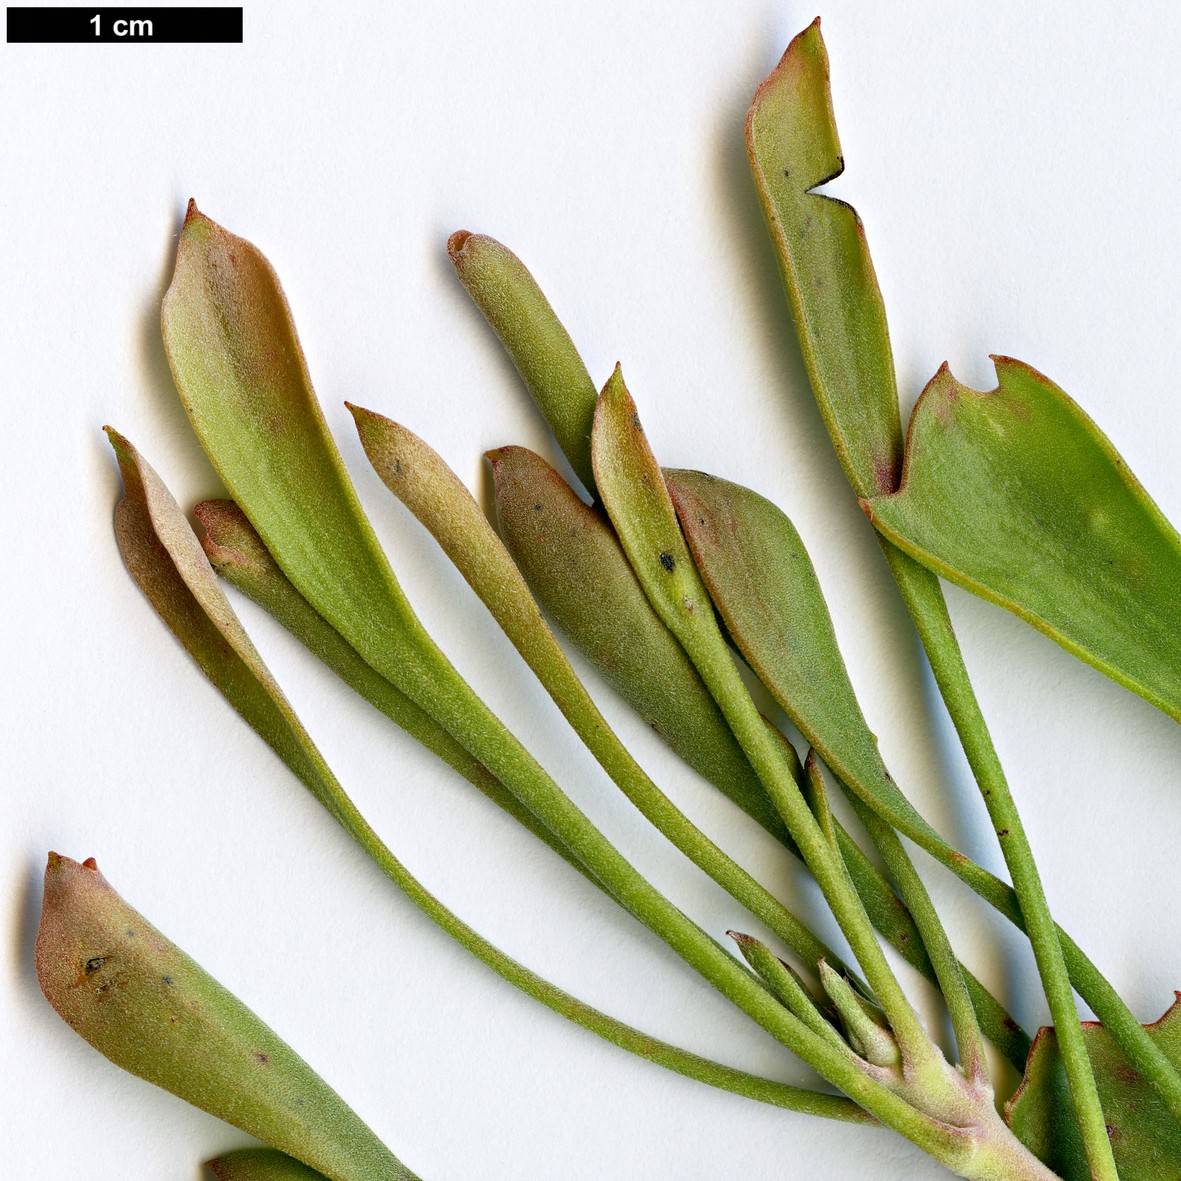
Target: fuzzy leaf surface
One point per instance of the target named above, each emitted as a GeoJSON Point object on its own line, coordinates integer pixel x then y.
{"type": "Point", "coordinates": [149, 1008]}
{"type": "Point", "coordinates": [1145, 1139]}
{"type": "Point", "coordinates": [260, 1164]}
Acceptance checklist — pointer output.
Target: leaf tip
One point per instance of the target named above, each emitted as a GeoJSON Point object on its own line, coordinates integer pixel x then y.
{"type": "Point", "coordinates": [456, 243]}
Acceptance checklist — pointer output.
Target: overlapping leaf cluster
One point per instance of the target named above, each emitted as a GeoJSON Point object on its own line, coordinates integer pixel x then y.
{"type": "Point", "coordinates": [660, 583]}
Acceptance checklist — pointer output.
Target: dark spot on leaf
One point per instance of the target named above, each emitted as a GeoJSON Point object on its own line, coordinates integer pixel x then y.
{"type": "Point", "coordinates": [93, 964]}
{"type": "Point", "coordinates": [167, 980]}
{"type": "Point", "coordinates": [397, 467]}
{"type": "Point", "coordinates": [636, 421]}
{"type": "Point", "coordinates": [537, 508]}
{"type": "Point", "coordinates": [668, 561]}
{"type": "Point", "coordinates": [1112, 1132]}
{"type": "Point", "coordinates": [1002, 832]}
{"type": "Point", "coordinates": [261, 1058]}
{"type": "Point", "coordinates": [130, 934]}
{"type": "Point", "coordinates": [1128, 1075]}
{"type": "Point", "coordinates": [787, 173]}
{"type": "Point", "coordinates": [1009, 1023]}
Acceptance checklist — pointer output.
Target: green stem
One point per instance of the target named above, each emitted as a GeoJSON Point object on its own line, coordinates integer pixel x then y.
{"type": "Point", "coordinates": [418, 476]}
{"type": "Point", "coordinates": [719, 673]}
{"type": "Point", "coordinates": [948, 970]}
{"type": "Point", "coordinates": [456, 706]}
{"type": "Point", "coordinates": [635, 1041]}
{"type": "Point", "coordinates": [636, 499]}
{"type": "Point", "coordinates": [925, 600]}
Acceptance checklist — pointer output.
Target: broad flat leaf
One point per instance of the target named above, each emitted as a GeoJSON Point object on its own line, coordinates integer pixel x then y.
{"type": "Point", "coordinates": [139, 1000]}
{"type": "Point", "coordinates": [241, 376]}
{"type": "Point", "coordinates": [1015, 494]}
{"type": "Point", "coordinates": [541, 349]}
{"type": "Point", "coordinates": [1145, 1139]}
{"type": "Point", "coordinates": [793, 148]}
{"type": "Point", "coordinates": [260, 1164]}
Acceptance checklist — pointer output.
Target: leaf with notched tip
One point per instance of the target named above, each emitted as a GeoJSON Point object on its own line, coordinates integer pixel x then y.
{"type": "Point", "coordinates": [149, 1008]}
{"type": "Point", "coordinates": [824, 261]}
{"type": "Point", "coordinates": [1016, 495]}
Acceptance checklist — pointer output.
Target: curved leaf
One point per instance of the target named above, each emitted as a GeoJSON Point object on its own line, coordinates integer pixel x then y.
{"type": "Point", "coordinates": [139, 1000]}
{"type": "Point", "coordinates": [541, 348]}
{"type": "Point", "coordinates": [1016, 495]}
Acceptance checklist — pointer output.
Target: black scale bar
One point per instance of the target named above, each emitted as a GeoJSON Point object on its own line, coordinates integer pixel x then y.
{"type": "Point", "coordinates": [134, 26]}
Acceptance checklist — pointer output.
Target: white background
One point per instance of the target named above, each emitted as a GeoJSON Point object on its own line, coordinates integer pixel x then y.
{"type": "Point", "coordinates": [1018, 176]}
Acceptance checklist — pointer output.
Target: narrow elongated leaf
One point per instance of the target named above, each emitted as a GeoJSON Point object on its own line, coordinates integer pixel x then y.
{"type": "Point", "coordinates": [166, 560]}
{"type": "Point", "coordinates": [1016, 495]}
{"type": "Point", "coordinates": [260, 1164]}
{"type": "Point", "coordinates": [573, 563]}
{"type": "Point", "coordinates": [237, 553]}
{"type": "Point", "coordinates": [762, 582]}
{"type": "Point", "coordinates": [545, 356]}
{"type": "Point", "coordinates": [792, 143]}
{"type": "Point", "coordinates": [1145, 1139]}
{"type": "Point", "coordinates": [138, 999]}
{"type": "Point", "coordinates": [417, 475]}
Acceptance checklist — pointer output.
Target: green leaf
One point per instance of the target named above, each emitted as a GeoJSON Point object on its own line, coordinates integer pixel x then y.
{"type": "Point", "coordinates": [237, 553]}
{"type": "Point", "coordinates": [573, 563]}
{"type": "Point", "coordinates": [260, 1164]}
{"type": "Point", "coordinates": [1145, 1139]}
{"type": "Point", "coordinates": [166, 560]}
{"type": "Point", "coordinates": [824, 261]}
{"type": "Point", "coordinates": [541, 349]}
{"type": "Point", "coordinates": [1016, 495]}
{"type": "Point", "coordinates": [765, 588]}
{"type": "Point", "coordinates": [763, 585]}
{"type": "Point", "coordinates": [139, 1000]}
